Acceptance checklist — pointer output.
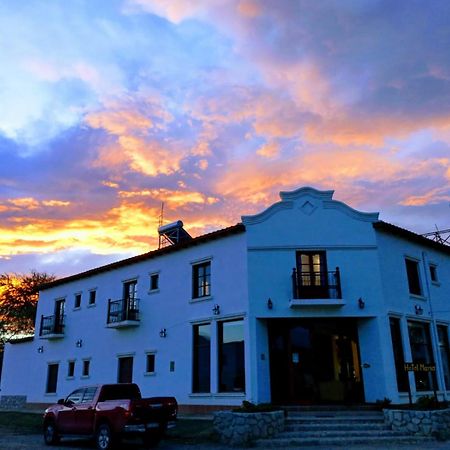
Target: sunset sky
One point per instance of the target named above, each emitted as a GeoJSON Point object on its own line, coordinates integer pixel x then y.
{"type": "Point", "coordinates": [109, 107]}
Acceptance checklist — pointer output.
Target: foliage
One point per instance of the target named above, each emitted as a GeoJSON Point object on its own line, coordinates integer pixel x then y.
{"type": "Point", "coordinates": [428, 403]}
{"type": "Point", "coordinates": [191, 431]}
{"type": "Point", "coordinates": [383, 403]}
{"type": "Point", "coordinates": [18, 301]}
{"type": "Point", "coordinates": [249, 407]}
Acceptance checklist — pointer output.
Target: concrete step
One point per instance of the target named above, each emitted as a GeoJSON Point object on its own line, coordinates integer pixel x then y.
{"type": "Point", "coordinates": [344, 441]}
{"type": "Point", "coordinates": [338, 426]}
{"type": "Point", "coordinates": [334, 419]}
{"type": "Point", "coordinates": [338, 434]}
{"type": "Point", "coordinates": [306, 408]}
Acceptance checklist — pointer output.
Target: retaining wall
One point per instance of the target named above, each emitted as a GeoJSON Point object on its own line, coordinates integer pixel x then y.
{"type": "Point", "coordinates": [238, 429]}
{"type": "Point", "coordinates": [423, 423]}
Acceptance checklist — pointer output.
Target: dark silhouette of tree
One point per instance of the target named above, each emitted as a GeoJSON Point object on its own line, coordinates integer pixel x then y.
{"type": "Point", "coordinates": [18, 302]}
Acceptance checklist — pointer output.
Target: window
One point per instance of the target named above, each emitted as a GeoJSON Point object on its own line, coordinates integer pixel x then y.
{"type": "Point", "coordinates": [445, 353]}
{"type": "Point", "coordinates": [75, 397]}
{"type": "Point", "coordinates": [92, 297]}
{"type": "Point", "coordinates": [130, 289]}
{"type": "Point", "coordinates": [433, 273]}
{"type": "Point", "coordinates": [412, 272]}
{"type": "Point", "coordinates": [52, 378]}
{"type": "Point", "coordinates": [201, 280]}
{"type": "Point", "coordinates": [77, 302]}
{"type": "Point", "coordinates": [154, 281]}
{"type": "Point", "coordinates": [71, 369]}
{"type": "Point", "coordinates": [86, 367]}
{"type": "Point", "coordinates": [231, 356]}
{"type": "Point", "coordinates": [125, 370]}
{"type": "Point", "coordinates": [399, 358]}
{"type": "Point", "coordinates": [89, 394]}
{"type": "Point", "coordinates": [201, 358]}
{"type": "Point", "coordinates": [421, 352]}
{"type": "Point", "coordinates": [59, 316]}
{"type": "Point", "coordinates": [150, 363]}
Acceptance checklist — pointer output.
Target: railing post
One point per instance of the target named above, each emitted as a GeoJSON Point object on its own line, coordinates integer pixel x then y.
{"type": "Point", "coordinates": [108, 317]}
{"type": "Point", "coordinates": [338, 283]}
{"type": "Point", "coordinates": [294, 283]}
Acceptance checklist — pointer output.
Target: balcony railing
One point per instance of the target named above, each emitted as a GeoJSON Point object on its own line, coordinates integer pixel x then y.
{"type": "Point", "coordinates": [310, 285]}
{"type": "Point", "coordinates": [52, 326]}
{"type": "Point", "coordinates": [123, 311]}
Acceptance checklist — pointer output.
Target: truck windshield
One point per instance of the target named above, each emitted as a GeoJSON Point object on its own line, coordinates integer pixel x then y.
{"type": "Point", "coordinates": [120, 392]}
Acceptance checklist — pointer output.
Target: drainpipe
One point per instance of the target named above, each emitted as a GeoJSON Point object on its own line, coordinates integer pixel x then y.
{"type": "Point", "coordinates": [439, 367]}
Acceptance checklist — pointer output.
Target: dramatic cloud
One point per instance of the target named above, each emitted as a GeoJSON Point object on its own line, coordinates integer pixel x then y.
{"type": "Point", "coordinates": [109, 109]}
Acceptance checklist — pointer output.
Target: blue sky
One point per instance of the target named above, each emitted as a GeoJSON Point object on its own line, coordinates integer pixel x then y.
{"type": "Point", "coordinates": [109, 108]}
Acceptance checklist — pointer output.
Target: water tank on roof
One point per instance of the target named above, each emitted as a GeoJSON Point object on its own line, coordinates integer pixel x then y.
{"type": "Point", "coordinates": [172, 233]}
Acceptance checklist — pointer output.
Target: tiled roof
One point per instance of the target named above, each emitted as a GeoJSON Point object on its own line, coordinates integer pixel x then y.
{"type": "Point", "coordinates": [235, 229]}
{"type": "Point", "coordinates": [411, 236]}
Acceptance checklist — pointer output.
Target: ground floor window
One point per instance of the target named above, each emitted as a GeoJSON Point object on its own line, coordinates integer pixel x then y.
{"type": "Point", "coordinates": [201, 374]}
{"type": "Point", "coordinates": [445, 354]}
{"type": "Point", "coordinates": [52, 378]}
{"type": "Point", "coordinates": [399, 357]}
{"type": "Point", "coordinates": [421, 352]}
{"type": "Point", "coordinates": [231, 356]}
{"type": "Point", "coordinates": [71, 369]}
{"type": "Point", "coordinates": [125, 369]}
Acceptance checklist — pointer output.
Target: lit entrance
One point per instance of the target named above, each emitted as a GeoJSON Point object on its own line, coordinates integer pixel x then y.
{"type": "Point", "coordinates": [315, 361]}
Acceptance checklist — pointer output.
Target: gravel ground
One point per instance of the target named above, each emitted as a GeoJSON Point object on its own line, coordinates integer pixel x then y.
{"type": "Point", "coordinates": [10, 441]}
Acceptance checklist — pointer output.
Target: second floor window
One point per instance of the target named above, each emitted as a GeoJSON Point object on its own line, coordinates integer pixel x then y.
{"type": "Point", "coordinates": [77, 303]}
{"type": "Point", "coordinates": [201, 280]}
{"type": "Point", "coordinates": [92, 297]}
{"type": "Point", "coordinates": [412, 272]}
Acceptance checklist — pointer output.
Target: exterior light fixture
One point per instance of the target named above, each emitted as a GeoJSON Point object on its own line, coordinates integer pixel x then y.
{"type": "Point", "coordinates": [269, 304]}
{"type": "Point", "coordinates": [40, 349]}
{"type": "Point", "coordinates": [361, 303]}
{"type": "Point", "coordinates": [79, 343]}
{"type": "Point", "coordinates": [418, 309]}
{"type": "Point", "coordinates": [216, 309]}
{"type": "Point", "coordinates": [163, 333]}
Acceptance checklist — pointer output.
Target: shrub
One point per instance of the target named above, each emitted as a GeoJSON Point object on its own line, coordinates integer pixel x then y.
{"type": "Point", "coordinates": [249, 407]}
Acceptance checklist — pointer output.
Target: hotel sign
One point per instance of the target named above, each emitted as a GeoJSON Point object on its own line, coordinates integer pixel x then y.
{"type": "Point", "coordinates": [419, 367]}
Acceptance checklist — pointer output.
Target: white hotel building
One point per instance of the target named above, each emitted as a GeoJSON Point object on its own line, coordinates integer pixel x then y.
{"type": "Point", "coordinates": [309, 301]}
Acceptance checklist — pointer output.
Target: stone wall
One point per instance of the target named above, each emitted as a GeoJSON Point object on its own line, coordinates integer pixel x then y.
{"type": "Point", "coordinates": [424, 423]}
{"type": "Point", "coordinates": [238, 429]}
{"type": "Point", "coordinates": [13, 401]}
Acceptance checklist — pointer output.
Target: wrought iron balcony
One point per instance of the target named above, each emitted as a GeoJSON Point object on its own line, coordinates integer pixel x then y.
{"type": "Point", "coordinates": [316, 285]}
{"type": "Point", "coordinates": [123, 313]}
{"type": "Point", "coordinates": [52, 327]}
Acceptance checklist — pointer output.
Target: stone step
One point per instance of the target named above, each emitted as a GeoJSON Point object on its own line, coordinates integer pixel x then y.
{"type": "Point", "coordinates": [334, 414]}
{"type": "Point", "coordinates": [339, 426]}
{"type": "Point", "coordinates": [345, 441]}
{"type": "Point", "coordinates": [306, 408]}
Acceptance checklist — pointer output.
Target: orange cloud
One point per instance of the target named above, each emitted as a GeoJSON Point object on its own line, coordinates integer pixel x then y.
{"type": "Point", "coordinates": [173, 198]}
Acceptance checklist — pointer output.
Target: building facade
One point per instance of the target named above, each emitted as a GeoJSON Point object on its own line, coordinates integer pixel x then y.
{"type": "Point", "coordinates": [309, 301]}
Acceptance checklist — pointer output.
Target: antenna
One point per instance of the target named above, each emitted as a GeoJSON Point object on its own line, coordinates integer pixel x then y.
{"type": "Point", "coordinates": [160, 222]}
{"type": "Point", "coordinates": [440, 236]}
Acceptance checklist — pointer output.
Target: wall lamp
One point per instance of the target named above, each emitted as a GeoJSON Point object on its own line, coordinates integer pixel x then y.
{"type": "Point", "coordinates": [361, 303]}
{"type": "Point", "coordinates": [79, 343]}
{"type": "Point", "coordinates": [418, 309]}
{"type": "Point", "coordinates": [269, 304]}
{"type": "Point", "coordinates": [163, 333]}
{"type": "Point", "coordinates": [40, 349]}
{"type": "Point", "coordinates": [216, 309]}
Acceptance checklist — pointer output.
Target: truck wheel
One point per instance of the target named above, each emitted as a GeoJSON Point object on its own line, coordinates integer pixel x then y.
{"type": "Point", "coordinates": [151, 439]}
{"type": "Point", "coordinates": [104, 437]}
{"type": "Point", "coordinates": [50, 434]}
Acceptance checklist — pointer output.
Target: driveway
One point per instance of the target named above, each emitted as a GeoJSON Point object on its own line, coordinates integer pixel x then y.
{"type": "Point", "coordinates": [9, 441]}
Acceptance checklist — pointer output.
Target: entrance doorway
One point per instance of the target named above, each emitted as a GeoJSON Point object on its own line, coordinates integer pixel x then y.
{"type": "Point", "coordinates": [315, 361]}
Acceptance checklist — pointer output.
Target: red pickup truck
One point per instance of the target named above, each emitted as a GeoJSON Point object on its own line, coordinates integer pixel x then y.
{"type": "Point", "coordinates": [108, 412]}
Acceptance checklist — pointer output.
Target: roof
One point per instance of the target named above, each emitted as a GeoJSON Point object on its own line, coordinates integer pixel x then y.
{"type": "Point", "coordinates": [219, 234]}
{"type": "Point", "coordinates": [411, 236]}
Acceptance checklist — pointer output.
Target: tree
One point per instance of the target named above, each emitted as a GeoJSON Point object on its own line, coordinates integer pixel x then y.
{"type": "Point", "coordinates": [18, 302]}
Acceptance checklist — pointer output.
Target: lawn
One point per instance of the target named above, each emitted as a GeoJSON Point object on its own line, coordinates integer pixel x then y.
{"type": "Point", "coordinates": [187, 431]}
